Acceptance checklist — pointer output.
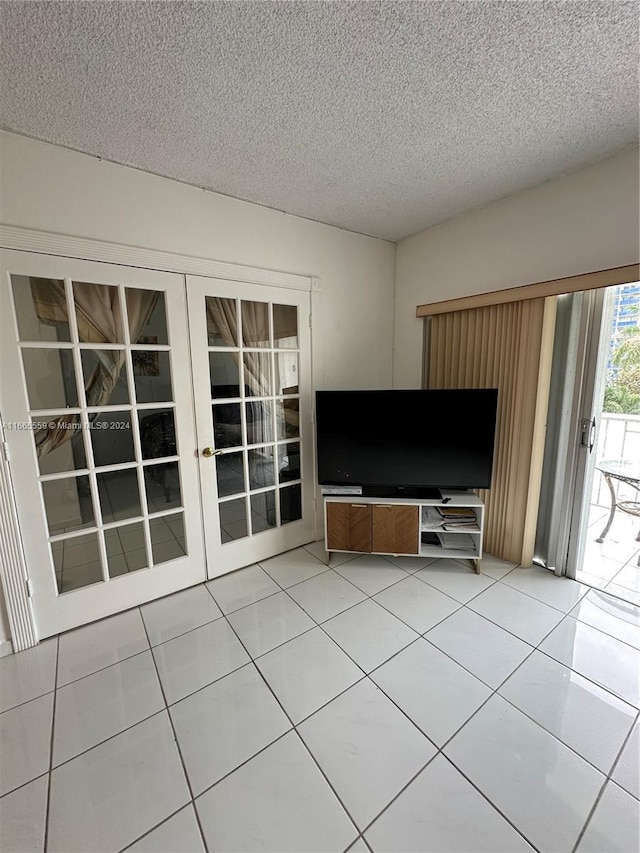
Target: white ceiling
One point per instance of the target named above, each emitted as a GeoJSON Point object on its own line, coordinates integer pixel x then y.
{"type": "Point", "coordinates": [380, 117]}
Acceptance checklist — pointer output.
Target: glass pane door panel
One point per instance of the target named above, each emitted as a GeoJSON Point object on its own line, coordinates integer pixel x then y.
{"type": "Point", "coordinates": [147, 316]}
{"type": "Point", "coordinates": [259, 421]}
{"type": "Point", "coordinates": [126, 549]}
{"type": "Point", "coordinates": [152, 376]}
{"type": "Point", "coordinates": [263, 511]}
{"type": "Point", "coordinates": [227, 425]}
{"type": "Point", "coordinates": [68, 504]}
{"type": "Point", "coordinates": [255, 324]}
{"type": "Point", "coordinates": [285, 326]}
{"type": "Point", "coordinates": [230, 474]}
{"type": "Point", "coordinates": [222, 322]}
{"type": "Point", "coordinates": [59, 444]}
{"type": "Point", "coordinates": [225, 374]}
{"type": "Point", "coordinates": [286, 371]}
{"type": "Point", "coordinates": [162, 484]}
{"type": "Point", "coordinates": [233, 519]}
{"type": "Point", "coordinates": [51, 378]}
{"type": "Point", "coordinates": [41, 308]}
{"type": "Point", "coordinates": [167, 538]}
{"type": "Point", "coordinates": [290, 504]}
{"type": "Point", "coordinates": [98, 313]}
{"type": "Point", "coordinates": [119, 494]}
{"type": "Point", "coordinates": [289, 462]}
{"type": "Point", "coordinates": [112, 438]}
{"type": "Point", "coordinates": [105, 377]}
{"type": "Point", "coordinates": [77, 562]}
{"type": "Point", "coordinates": [261, 468]}
{"type": "Point", "coordinates": [288, 418]}
{"type": "Point", "coordinates": [257, 374]}
{"type": "Point", "coordinates": [157, 433]}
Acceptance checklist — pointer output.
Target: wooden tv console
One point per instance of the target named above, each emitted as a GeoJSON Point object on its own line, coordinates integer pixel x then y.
{"type": "Point", "coordinates": [396, 526]}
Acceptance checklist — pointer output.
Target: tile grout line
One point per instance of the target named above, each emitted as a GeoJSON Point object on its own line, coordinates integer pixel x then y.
{"type": "Point", "coordinates": [157, 826]}
{"type": "Point", "coordinates": [175, 737]}
{"type": "Point", "coordinates": [50, 774]}
{"type": "Point", "coordinates": [293, 728]}
{"type": "Point", "coordinates": [438, 750]}
{"type": "Point", "coordinates": [367, 596]}
{"type": "Point", "coordinates": [608, 779]}
{"type": "Point", "coordinates": [423, 636]}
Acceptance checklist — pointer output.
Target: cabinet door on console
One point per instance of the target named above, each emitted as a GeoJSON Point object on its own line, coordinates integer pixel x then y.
{"type": "Point", "coordinates": [348, 527]}
{"type": "Point", "coordinates": [395, 529]}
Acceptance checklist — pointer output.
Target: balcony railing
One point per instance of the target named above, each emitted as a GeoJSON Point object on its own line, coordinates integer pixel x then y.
{"type": "Point", "coordinates": [619, 438]}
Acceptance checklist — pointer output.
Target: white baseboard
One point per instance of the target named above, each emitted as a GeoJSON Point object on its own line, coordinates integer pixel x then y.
{"type": "Point", "coordinates": [6, 648]}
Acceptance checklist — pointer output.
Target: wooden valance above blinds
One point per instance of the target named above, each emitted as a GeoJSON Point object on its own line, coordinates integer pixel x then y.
{"type": "Point", "coordinates": [572, 284]}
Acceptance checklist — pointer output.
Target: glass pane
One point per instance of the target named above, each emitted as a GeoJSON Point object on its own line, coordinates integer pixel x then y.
{"type": "Point", "coordinates": [167, 538]}
{"type": "Point", "coordinates": [233, 519]}
{"type": "Point", "coordinates": [227, 426]}
{"type": "Point", "coordinates": [285, 326]}
{"type": "Point", "coordinates": [222, 322]}
{"type": "Point", "coordinates": [119, 495]}
{"type": "Point", "coordinates": [98, 313]}
{"type": "Point", "coordinates": [289, 462]}
{"type": "Point", "coordinates": [259, 421]}
{"type": "Point", "coordinates": [59, 444]}
{"type": "Point", "coordinates": [157, 433]}
{"type": "Point", "coordinates": [286, 367]}
{"type": "Point", "coordinates": [152, 376]}
{"type": "Point", "coordinates": [68, 504]}
{"type": "Point", "coordinates": [255, 324]}
{"type": "Point", "coordinates": [230, 474]}
{"type": "Point", "coordinates": [126, 549]}
{"type": "Point", "coordinates": [261, 469]}
{"type": "Point", "coordinates": [105, 377]}
{"type": "Point", "coordinates": [50, 377]}
{"type": "Point", "coordinates": [263, 511]}
{"type": "Point", "coordinates": [147, 316]}
{"type": "Point", "coordinates": [162, 483]}
{"type": "Point", "coordinates": [290, 504]}
{"type": "Point", "coordinates": [111, 438]}
{"type": "Point", "coordinates": [257, 374]}
{"type": "Point", "coordinates": [77, 562]}
{"type": "Point", "coordinates": [41, 308]}
{"type": "Point", "coordinates": [225, 375]}
{"type": "Point", "coordinates": [288, 418]}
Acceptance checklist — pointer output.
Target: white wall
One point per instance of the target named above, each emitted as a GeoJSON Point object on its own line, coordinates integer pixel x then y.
{"type": "Point", "coordinates": [53, 189]}
{"type": "Point", "coordinates": [580, 223]}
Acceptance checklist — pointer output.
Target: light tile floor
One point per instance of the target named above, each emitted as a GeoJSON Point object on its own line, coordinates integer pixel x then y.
{"type": "Point", "coordinates": [612, 565]}
{"type": "Point", "coordinates": [385, 705]}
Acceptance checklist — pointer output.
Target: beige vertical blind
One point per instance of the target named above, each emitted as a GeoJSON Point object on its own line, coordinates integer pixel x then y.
{"type": "Point", "coordinates": [508, 347]}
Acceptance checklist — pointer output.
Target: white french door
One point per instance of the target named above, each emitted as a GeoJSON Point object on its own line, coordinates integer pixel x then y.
{"type": "Point", "coordinates": [136, 420]}
{"type": "Point", "coordinates": [250, 348]}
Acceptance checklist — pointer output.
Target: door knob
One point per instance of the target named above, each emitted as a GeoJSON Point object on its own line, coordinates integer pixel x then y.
{"type": "Point", "coordinates": [208, 452]}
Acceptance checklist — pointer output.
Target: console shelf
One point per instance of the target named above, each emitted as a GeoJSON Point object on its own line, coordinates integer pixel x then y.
{"type": "Point", "coordinates": [402, 526]}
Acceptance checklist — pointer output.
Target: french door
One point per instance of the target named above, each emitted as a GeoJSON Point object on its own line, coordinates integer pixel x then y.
{"type": "Point", "coordinates": [117, 466]}
{"type": "Point", "coordinates": [250, 348]}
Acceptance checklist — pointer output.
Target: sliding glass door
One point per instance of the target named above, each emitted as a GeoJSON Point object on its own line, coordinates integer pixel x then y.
{"type": "Point", "coordinates": [587, 527]}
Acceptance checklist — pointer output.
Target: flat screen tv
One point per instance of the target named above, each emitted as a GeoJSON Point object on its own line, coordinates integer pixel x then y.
{"type": "Point", "coordinates": [406, 443]}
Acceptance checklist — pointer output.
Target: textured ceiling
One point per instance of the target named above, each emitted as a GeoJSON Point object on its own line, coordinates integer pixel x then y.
{"type": "Point", "coordinates": [380, 117]}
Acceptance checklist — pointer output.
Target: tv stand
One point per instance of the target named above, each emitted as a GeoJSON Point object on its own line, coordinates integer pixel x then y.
{"type": "Point", "coordinates": [403, 526]}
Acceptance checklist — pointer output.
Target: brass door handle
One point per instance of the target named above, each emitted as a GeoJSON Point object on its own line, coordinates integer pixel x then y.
{"type": "Point", "coordinates": [208, 452]}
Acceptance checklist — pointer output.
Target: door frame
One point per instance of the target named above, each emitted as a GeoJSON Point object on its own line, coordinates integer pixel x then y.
{"type": "Point", "coordinates": [13, 569]}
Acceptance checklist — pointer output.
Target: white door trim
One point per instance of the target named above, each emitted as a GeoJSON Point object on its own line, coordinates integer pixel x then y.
{"type": "Point", "coordinates": [85, 248]}
{"type": "Point", "coordinates": [13, 571]}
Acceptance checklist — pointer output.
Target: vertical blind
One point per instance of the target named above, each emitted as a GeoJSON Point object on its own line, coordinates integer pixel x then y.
{"type": "Point", "coordinates": [509, 347]}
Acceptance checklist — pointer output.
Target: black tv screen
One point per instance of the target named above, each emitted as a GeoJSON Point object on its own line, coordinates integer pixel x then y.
{"type": "Point", "coordinates": [405, 442]}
